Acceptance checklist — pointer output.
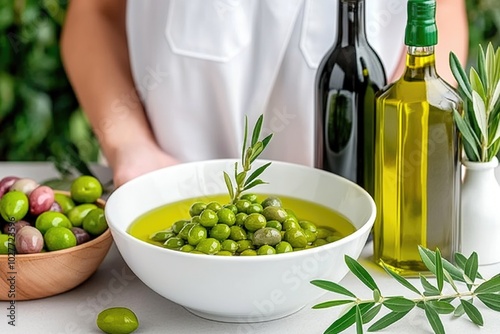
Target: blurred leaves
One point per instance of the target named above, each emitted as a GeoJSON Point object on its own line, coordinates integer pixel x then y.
{"type": "Point", "coordinates": [39, 113]}
{"type": "Point", "coordinates": [484, 25]}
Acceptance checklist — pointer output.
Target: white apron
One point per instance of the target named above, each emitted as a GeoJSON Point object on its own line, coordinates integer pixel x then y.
{"type": "Point", "coordinates": [202, 65]}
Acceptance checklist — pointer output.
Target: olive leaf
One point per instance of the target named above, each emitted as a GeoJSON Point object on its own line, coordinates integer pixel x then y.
{"type": "Point", "coordinates": [472, 312]}
{"type": "Point", "coordinates": [333, 287]}
{"type": "Point", "coordinates": [433, 301]}
{"type": "Point", "coordinates": [480, 92]}
{"type": "Point", "coordinates": [400, 279]}
{"type": "Point", "coordinates": [386, 321]}
{"type": "Point", "coordinates": [434, 319]}
{"type": "Point", "coordinates": [360, 272]}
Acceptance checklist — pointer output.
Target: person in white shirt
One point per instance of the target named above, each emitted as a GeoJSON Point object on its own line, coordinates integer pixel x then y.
{"type": "Point", "coordinates": [171, 81]}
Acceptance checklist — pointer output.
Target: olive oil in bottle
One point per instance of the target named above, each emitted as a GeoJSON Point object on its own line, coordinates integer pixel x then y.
{"type": "Point", "coordinates": [348, 78]}
{"type": "Point", "coordinates": [417, 175]}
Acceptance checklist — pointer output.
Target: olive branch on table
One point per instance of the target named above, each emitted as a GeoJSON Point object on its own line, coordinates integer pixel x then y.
{"type": "Point", "coordinates": [432, 300]}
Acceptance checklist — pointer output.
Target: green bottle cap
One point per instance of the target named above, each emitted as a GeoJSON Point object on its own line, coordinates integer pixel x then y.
{"type": "Point", "coordinates": [421, 29]}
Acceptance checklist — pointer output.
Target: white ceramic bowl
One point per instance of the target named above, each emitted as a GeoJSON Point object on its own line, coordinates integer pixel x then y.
{"type": "Point", "coordinates": [238, 289]}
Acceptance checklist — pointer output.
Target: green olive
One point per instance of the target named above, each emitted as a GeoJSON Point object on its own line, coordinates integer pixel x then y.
{"type": "Point", "coordinates": [240, 218]}
{"type": "Point", "coordinates": [231, 207]}
{"type": "Point", "coordinates": [283, 247]}
{"type": "Point", "coordinates": [237, 233]}
{"type": "Point", "coordinates": [226, 216]}
{"type": "Point", "coordinates": [208, 218]}
{"type": "Point", "coordinates": [66, 202]}
{"type": "Point", "coordinates": [224, 253]}
{"type": "Point", "coordinates": [162, 235]}
{"type": "Point", "coordinates": [174, 243]}
{"type": "Point", "coordinates": [296, 238]}
{"type": "Point", "coordinates": [324, 232]}
{"type": "Point", "coordinates": [242, 205]}
{"type": "Point", "coordinates": [14, 205]}
{"type": "Point", "coordinates": [332, 238]}
{"type": "Point", "coordinates": [255, 208]}
{"type": "Point", "coordinates": [220, 232]}
{"type": "Point", "coordinates": [5, 240]}
{"type": "Point", "coordinates": [255, 221]}
{"type": "Point", "coordinates": [266, 236]}
{"type": "Point", "coordinates": [274, 224]}
{"type": "Point", "coordinates": [319, 242]}
{"type": "Point", "coordinates": [117, 320]}
{"type": "Point", "coordinates": [291, 224]}
{"type": "Point", "coordinates": [244, 245]}
{"type": "Point", "coordinates": [307, 225]}
{"type": "Point", "coordinates": [310, 236]}
{"type": "Point", "coordinates": [95, 222]}
{"type": "Point", "coordinates": [186, 248]}
{"type": "Point", "coordinates": [275, 213]}
{"type": "Point", "coordinates": [196, 234]}
{"type": "Point", "coordinates": [214, 206]}
{"type": "Point", "coordinates": [178, 225]}
{"type": "Point", "coordinates": [183, 233]}
{"type": "Point", "coordinates": [79, 212]}
{"type": "Point", "coordinates": [248, 252]}
{"type": "Point", "coordinates": [266, 250]}
{"type": "Point", "coordinates": [208, 246]}
{"type": "Point", "coordinates": [250, 197]}
{"type": "Point", "coordinates": [271, 201]}
{"type": "Point", "coordinates": [229, 245]}
{"type": "Point", "coordinates": [58, 237]}
{"type": "Point", "coordinates": [196, 208]}
{"type": "Point", "coordinates": [50, 219]}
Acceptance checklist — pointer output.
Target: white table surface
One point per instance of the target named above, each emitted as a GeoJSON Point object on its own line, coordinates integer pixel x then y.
{"type": "Point", "coordinates": [115, 285]}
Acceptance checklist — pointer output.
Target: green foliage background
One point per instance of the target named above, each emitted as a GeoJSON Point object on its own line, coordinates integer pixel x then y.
{"type": "Point", "coordinates": [39, 114]}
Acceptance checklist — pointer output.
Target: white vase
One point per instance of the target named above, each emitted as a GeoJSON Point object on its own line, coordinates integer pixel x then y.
{"type": "Point", "coordinates": [480, 218]}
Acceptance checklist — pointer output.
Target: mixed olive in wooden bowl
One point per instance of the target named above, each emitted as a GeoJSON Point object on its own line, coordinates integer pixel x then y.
{"type": "Point", "coordinates": [50, 241]}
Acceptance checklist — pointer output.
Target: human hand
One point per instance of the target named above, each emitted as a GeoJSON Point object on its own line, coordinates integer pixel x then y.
{"type": "Point", "coordinates": [136, 159]}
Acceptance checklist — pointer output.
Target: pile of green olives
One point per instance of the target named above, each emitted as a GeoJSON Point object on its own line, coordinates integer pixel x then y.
{"type": "Point", "coordinates": [34, 218]}
{"type": "Point", "coordinates": [246, 227]}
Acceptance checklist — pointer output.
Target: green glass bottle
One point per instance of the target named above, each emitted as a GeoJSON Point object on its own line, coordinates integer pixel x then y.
{"type": "Point", "coordinates": [417, 174]}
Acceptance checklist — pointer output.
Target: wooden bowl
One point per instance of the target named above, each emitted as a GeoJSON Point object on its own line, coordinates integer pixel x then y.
{"type": "Point", "coordinates": [34, 276]}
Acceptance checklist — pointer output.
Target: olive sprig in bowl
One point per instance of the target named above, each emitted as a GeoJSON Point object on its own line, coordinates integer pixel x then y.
{"type": "Point", "coordinates": [248, 224]}
{"type": "Point", "coordinates": [248, 155]}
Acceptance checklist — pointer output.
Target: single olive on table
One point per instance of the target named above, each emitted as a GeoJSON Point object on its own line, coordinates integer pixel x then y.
{"type": "Point", "coordinates": [35, 218]}
{"type": "Point", "coordinates": [117, 320]}
{"type": "Point", "coordinates": [248, 227]}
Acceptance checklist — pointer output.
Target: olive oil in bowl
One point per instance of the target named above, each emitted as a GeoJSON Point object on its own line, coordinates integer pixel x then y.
{"type": "Point", "coordinates": [163, 217]}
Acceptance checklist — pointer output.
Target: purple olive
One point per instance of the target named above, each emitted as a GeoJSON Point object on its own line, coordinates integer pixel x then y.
{"type": "Point", "coordinates": [29, 240]}
{"type": "Point", "coordinates": [6, 183]}
{"type": "Point", "coordinates": [25, 185]}
{"type": "Point", "coordinates": [81, 235]}
{"type": "Point", "coordinates": [56, 207]}
{"type": "Point", "coordinates": [41, 199]}
{"type": "Point", "coordinates": [15, 227]}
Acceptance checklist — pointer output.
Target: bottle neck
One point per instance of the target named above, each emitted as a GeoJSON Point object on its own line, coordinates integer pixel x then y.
{"type": "Point", "coordinates": [420, 62]}
{"type": "Point", "coordinates": [351, 25]}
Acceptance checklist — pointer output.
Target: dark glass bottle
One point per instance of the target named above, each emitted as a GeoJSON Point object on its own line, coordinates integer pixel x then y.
{"type": "Point", "coordinates": [348, 78]}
